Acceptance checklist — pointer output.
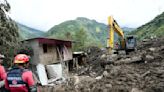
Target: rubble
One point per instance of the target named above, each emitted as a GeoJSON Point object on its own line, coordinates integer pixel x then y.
{"type": "Point", "coordinates": [136, 90]}
{"type": "Point", "coordinates": [140, 71]}
{"type": "Point", "coordinates": [152, 49]}
{"type": "Point", "coordinates": [149, 57]}
{"type": "Point", "coordinates": [129, 60]}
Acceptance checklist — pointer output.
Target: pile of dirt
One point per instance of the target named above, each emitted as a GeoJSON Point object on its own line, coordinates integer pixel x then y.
{"type": "Point", "coordinates": [140, 71]}
{"type": "Point", "coordinates": [93, 66]}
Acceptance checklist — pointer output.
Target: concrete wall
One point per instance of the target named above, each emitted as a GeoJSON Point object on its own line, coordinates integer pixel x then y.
{"type": "Point", "coordinates": [50, 56]}
{"type": "Point", "coordinates": [35, 58]}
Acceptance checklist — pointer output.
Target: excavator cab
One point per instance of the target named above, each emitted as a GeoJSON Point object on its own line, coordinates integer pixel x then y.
{"type": "Point", "coordinates": [130, 43]}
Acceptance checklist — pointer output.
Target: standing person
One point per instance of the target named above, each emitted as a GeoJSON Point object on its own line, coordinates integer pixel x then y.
{"type": "Point", "coordinates": [2, 74]}
{"type": "Point", "coordinates": [19, 78]}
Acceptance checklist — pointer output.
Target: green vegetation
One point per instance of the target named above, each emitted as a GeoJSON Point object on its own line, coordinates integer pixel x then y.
{"type": "Point", "coordinates": [8, 33]}
{"type": "Point", "coordinates": [81, 38]}
{"type": "Point", "coordinates": [82, 30]}
{"type": "Point", "coordinates": [154, 28]}
{"type": "Point", "coordinates": [27, 32]}
{"type": "Point", "coordinates": [11, 33]}
{"type": "Point", "coordinates": [93, 34]}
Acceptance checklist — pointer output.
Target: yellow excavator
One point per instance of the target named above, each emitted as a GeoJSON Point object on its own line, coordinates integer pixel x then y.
{"type": "Point", "coordinates": [127, 43]}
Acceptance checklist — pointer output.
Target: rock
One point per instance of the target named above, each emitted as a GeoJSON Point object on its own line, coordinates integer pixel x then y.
{"type": "Point", "coordinates": [103, 56]}
{"type": "Point", "coordinates": [112, 57]}
{"type": "Point", "coordinates": [115, 70]}
{"type": "Point", "coordinates": [105, 74]}
{"type": "Point", "coordinates": [152, 49]}
{"type": "Point", "coordinates": [122, 61]}
{"type": "Point", "coordinates": [79, 79]}
{"type": "Point", "coordinates": [98, 77]}
{"type": "Point", "coordinates": [108, 85]}
{"type": "Point", "coordinates": [76, 80]}
{"type": "Point", "coordinates": [149, 57]}
{"type": "Point", "coordinates": [129, 60]}
{"type": "Point", "coordinates": [92, 74]}
{"type": "Point", "coordinates": [136, 90]}
{"type": "Point", "coordinates": [135, 59]}
{"type": "Point", "coordinates": [119, 82]}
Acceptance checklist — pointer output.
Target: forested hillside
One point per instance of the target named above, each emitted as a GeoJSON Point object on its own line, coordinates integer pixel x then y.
{"type": "Point", "coordinates": [8, 34]}
{"type": "Point", "coordinates": [154, 28]}
{"type": "Point", "coordinates": [95, 32]}
{"type": "Point", "coordinates": [92, 32]}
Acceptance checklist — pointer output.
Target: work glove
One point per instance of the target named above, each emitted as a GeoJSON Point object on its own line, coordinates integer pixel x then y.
{"type": "Point", "coordinates": [2, 83]}
{"type": "Point", "coordinates": [33, 89]}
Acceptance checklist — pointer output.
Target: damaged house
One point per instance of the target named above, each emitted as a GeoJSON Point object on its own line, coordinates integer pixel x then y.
{"type": "Point", "coordinates": [50, 59]}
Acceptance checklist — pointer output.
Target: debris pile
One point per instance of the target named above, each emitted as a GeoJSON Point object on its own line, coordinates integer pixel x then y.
{"type": "Point", "coordinates": [139, 71]}
{"type": "Point", "coordinates": [94, 62]}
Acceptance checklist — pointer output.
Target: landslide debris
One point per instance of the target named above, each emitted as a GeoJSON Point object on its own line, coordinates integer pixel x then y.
{"type": "Point", "coordinates": [139, 71]}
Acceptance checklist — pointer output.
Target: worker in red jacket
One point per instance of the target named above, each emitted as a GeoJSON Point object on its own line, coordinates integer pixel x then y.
{"type": "Point", "coordinates": [19, 78]}
{"type": "Point", "coordinates": [2, 74]}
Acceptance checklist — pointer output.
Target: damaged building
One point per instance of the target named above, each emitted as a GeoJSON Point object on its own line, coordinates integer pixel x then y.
{"type": "Point", "coordinates": [50, 58]}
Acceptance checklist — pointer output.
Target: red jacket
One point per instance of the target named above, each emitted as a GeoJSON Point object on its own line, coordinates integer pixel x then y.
{"type": "Point", "coordinates": [2, 73]}
{"type": "Point", "coordinates": [27, 78]}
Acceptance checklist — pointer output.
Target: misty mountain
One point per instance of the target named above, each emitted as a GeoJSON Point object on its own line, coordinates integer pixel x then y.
{"type": "Point", "coordinates": [26, 32]}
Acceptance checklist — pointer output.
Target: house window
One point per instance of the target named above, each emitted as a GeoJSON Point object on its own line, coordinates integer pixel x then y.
{"type": "Point", "coordinates": [45, 48]}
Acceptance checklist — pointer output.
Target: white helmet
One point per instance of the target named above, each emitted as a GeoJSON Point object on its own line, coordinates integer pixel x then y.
{"type": "Point", "coordinates": [2, 56]}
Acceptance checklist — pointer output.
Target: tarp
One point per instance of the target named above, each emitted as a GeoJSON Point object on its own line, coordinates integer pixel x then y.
{"type": "Point", "coordinates": [54, 71]}
{"type": "Point", "coordinates": [42, 74]}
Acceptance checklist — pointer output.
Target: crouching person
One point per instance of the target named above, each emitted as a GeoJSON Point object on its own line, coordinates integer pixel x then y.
{"type": "Point", "coordinates": [19, 78]}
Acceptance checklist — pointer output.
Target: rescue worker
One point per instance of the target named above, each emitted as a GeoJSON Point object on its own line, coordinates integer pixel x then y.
{"type": "Point", "coordinates": [2, 74]}
{"type": "Point", "coordinates": [19, 78]}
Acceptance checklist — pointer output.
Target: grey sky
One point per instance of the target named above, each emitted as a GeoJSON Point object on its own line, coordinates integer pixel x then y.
{"type": "Point", "coordinates": [44, 14]}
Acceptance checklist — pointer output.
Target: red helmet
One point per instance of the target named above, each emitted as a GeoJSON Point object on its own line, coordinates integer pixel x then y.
{"type": "Point", "coordinates": [21, 58]}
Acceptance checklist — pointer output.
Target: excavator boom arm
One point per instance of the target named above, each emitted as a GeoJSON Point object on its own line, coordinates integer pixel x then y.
{"type": "Point", "coordinates": [114, 27]}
